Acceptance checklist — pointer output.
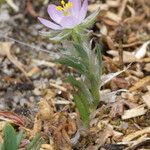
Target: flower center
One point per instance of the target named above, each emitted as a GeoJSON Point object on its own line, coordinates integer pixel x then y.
{"type": "Point", "coordinates": [65, 7]}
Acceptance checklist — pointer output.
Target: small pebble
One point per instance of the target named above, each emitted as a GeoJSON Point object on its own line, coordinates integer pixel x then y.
{"type": "Point", "coordinates": [23, 102]}
{"type": "Point", "coordinates": [37, 92]}
{"type": "Point", "coordinates": [49, 46]}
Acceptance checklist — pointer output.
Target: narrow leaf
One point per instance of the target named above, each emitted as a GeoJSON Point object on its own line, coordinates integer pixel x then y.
{"type": "Point", "coordinates": [60, 36]}
{"type": "Point", "coordinates": [84, 113]}
{"type": "Point", "coordinates": [72, 62]}
{"type": "Point", "coordinates": [34, 141]}
{"type": "Point", "coordinates": [10, 139]}
{"type": "Point", "coordinates": [80, 50]}
{"type": "Point", "coordinates": [82, 87]}
{"type": "Point", "coordinates": [89, 21]}
{"type": "Point", "coordinates": [19, 137]}
{"type": "Point", "coordinates": [73, 81]}
{"type": "Point", "coordinates": [1, 146]}
{"type": "Point", "coordinates": [99, 57]}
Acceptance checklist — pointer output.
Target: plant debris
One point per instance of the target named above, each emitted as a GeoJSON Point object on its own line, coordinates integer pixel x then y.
{"type": "Point", "coordinates": [35, 97]}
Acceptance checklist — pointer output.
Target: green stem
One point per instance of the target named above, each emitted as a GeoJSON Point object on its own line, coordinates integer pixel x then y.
{"type": "Point", "coordinates": [94, 85]}
{"type": "Point", "coordinates": [76, 37]}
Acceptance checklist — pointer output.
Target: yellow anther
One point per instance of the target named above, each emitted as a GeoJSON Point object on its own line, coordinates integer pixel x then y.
{"type": "Point", "coordinates": [63, 2]}
{"type": "Point", "coordinates": [68, 5]}
{"type": "Point", "coordinates": [59, 8]}
{"type": "Point", "coordinates": [65, 7]}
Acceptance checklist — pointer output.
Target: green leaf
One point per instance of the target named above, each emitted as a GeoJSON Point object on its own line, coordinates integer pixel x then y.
{"type": "Point", "coordinates": [94, 89]}
{"type": "Point", "coordinates": [95, 93]}
{"type": "Point", "coordinates": [51, 33]}
{"type": "Point", "coordinates": [34, 141]}
{"type": "Point", "coordinates": [73, 81]}
{"type": "Point", "coordinates": [1, 146]}
{"type": "Point", "coordinates": [38, 145]}
{"type": "Point", "coordinates": [10, 139]}
{"type": "Point", "coordinates": [56, 35]}
{"type": "Point", "coordinates": [81, 53]}
{"type": "Point", "coordinates": [19, 137]}
{"type": "Point", "coordinates": [72, 62]}
{"type": "Point", "coordinates": [84, 112]}
{"type": "Point", "coordinates": [89, 21]}
{"type": "Point", "coordinates": [75, 36]}
{"type": "Point", "coordinates": [83, 88]}
{"type": "Point", "coordinates": [80, 50]}
{"type": "Point", "coordinates": [60, 36]}
{"type": "Point", "coordinates": [99, 57]}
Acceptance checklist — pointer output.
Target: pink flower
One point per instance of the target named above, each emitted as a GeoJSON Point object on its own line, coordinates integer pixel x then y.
{"type": "Point", "coordinates": [66, 16]}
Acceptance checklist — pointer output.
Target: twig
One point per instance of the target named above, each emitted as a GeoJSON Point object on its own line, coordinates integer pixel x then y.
{"type": "Point", "coordinates": [122, 8]}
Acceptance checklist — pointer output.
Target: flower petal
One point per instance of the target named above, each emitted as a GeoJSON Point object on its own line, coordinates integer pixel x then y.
{"type": "Point", "coordinates": [49, 24]}
{"type": "Point", "coordinates": [69, 22]}
{"type": "Point", "coordinates": [83, 10]}
{"type": "Point", "coordinates": [76, 6]}
{"type": "Point", "coordinates": [55, 14]}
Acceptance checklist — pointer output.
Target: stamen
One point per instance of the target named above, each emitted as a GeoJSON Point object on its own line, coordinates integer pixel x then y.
{"type": "Point", "coordinates": [68, 5]}
{"type": "Point", "coordinates": [63, 2]}
{"type": "Point", "coordinates": [65, 7]}
{"type": "Point", "coordinates": [60, 8]}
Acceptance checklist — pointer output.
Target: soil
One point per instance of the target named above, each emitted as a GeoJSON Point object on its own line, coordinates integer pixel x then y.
{"type": "Point", "coordinates": [33, 87]}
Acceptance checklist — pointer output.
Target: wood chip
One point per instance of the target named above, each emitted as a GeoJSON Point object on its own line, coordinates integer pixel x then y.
{"type": "Point", "coordinates": [141, 52]}
{"type": "Point", "coordinates": [37, 126]}
{"type": "Point", "coordinates": [132, 11]}
{"type": "Point", "coordinates": [93, 7]}
{"type": "Point", "coordinates": [12, 5]}
{"type": "Point", "coordinates": [122, 8]}
{"type": "Point", "coordinates": [103, 136]}
{"type": "Point", "coordinates": [113, 3]}
{"type": "Point", "coordinates": [140, 83]}
{"type": "Point", "coordinates": [136, 19]}
{"type": "Point", "coordinates": [59, 87]}
{"type": "Point", "coordinates": [147, 67]}
{"type": "Point", "coordinates": [136, 134]}
{"type": "Point", "coordinates": [47, 147]}
{"type": "Point", "coordinates": [146, 99]}
{"type": "Point", "coordinates": [112, 16]}
{"type": "Point", "coordinates": [110, 42]}
{"type": "Point", "coordinates": [45, 110]}
{"type": "Point", "coordinates": [43, 62]}
{"type": "Point", "coordinates": [135, 112]}
{"type": "Point", "coordinates": [147, 60]}
{"type": "Point", "coordinates": [127, 56]}
{"type": "Point", "coordinates": [46, 106]}
{"type": "Point", "coordinates": [143, 140]}
{"type": "Point", "coordinates": [33, 71]}
{"type": "Point", "coordinates": [109, 22]}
